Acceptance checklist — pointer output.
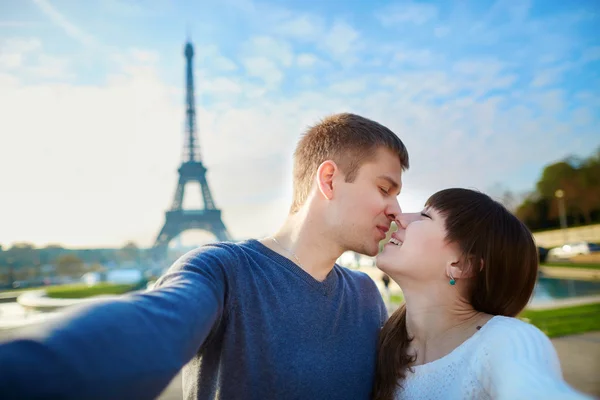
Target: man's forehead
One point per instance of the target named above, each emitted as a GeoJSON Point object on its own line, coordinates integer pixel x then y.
{"type": "Point", "coordinates": [383, 167]}
{"type": "Point", "coordinates": [395, 181]}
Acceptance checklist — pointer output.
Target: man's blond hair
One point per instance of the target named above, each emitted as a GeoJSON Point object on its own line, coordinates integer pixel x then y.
{"type": "Point", "coordinates": [347, 139]}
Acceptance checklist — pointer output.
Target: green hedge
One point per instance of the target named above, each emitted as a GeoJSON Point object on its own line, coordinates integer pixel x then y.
{"type": "Point", "coordinates": [565, 321]}
{"type": "Point", "coordinates": [572, 265]}
{"type": "Point", "coordinates": [79, 290]}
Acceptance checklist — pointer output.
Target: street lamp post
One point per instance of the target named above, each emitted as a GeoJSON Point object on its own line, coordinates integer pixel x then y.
{"type": "Point", "coordinates": [560, 195]}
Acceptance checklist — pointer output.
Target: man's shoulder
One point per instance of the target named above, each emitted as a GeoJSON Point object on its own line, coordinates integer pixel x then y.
{"type": "Point", "coordinates": [228, 255]}
{"type": "Point", "coordinates": [218, 260]}
{"type": "Point", "coordinates": [216, 249]}
{"type": "Point", "coordinates": [217, 254]}
{"type": "Point", "coordinates": [224, 252]}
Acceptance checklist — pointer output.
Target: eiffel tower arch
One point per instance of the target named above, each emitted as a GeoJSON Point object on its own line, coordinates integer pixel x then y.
{"type": "Point", "coordinates": [192, 170]}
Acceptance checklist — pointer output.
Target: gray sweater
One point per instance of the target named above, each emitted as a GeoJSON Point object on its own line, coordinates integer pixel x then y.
{"type": "Point", "coordinates": [243, 322]}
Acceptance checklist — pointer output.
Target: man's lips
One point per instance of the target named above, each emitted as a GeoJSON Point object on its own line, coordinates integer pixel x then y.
{"type": "Point", "coordinates": [383, 229]}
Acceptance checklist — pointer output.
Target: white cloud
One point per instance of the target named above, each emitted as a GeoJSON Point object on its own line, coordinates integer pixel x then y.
{"type": "Point", "coordinates": [125, 8]}
{"type": "Point", "coordinates": [96, 149]}
{"type": "Point", "coordinates": [19, 45]}
{"type": "Point", "coordinates": [273, 49]}
{"type": "Point", "coordinates": [306, 60]}
{"type": "Point", "coordinates": [351, 86]}
{"type": "Point", "coordinates": [145, 56]}
{"type": "Point", "coordinates": [407, 12]}
{"type": "Point", "coordinates": [10, 61]}
{"type": "Point", "coordinates": [265, 69]}
{"type": "Point", "coordinates": [51, 67]}
{"type": "Point", "coordinates": [8, 80]}
{"type": "Point", "coordinates": [17, 24]}
{"type": "Point", "coordinates": [59, 19]}
{"type": "Point", "coordinates": [551, 101]}
{"type": "Point", "coordinates": [308, 80]}
{"type": "Point", "coordinates": [441, 31]}
{"type": "Point", "coordinates": [224, 64]}
{"type": "Point", "coordinates": [13, 51]}
{"type": "Point", "coordinates": [221, 85]}
{"type": "Point", "coordinates": [210, 57]}
{"type": "Point", "coordinates": [303, 27]}
{"type": "Point", "coordinates": [591, 54]}
{"type": "Point", "coordinates": [341, 40]}
{"type": "Point", "coordinates": [544, 78]}
{"type": "Point", "coordinates": [25, 56]}
{"type": "Point", "coordinates": [484, 75]}
{"type": "Point", "coordinates": [582, 116]}
{"type": "Point", "coordinates": [479, 67]}
{"type": "Point", "coordinates": [422, 57]}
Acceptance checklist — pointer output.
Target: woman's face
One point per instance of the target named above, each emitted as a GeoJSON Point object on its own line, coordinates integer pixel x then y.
{"type": "Point", "coordinates": [418, 249]}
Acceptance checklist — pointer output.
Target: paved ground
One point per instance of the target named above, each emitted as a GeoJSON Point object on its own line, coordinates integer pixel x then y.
{"type": "Point", "coordinates": [580, 360]}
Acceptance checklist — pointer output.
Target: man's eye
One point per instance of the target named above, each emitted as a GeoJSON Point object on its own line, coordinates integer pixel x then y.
{"type": "Point", "coordinates": [384, 190]}
{"type": "Point", "coordinates": [425, 215]}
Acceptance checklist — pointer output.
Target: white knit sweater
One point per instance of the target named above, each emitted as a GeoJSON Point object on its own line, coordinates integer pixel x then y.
{"type": "Point", "coordinates": [506, 359]}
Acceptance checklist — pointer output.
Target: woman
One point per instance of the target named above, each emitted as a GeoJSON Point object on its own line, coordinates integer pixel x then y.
{"type": "Point", "coordinates": [466, 267]}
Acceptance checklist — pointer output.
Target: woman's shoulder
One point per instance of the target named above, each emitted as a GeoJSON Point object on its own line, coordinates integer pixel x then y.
{"type": "Point", "coordinates": [511, 340]}
{"type": "Point", "coordinates": [520, 334]}
{"type": "Point", "coordinates": [514, 330]}
{"type": "Point", "coordinates": [517, 360]}
{"type": "Point", "coordinates": [502, 325]}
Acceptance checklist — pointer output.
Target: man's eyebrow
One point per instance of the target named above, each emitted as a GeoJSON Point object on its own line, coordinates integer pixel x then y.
{"type": "Point", "coordinates": [392, 182]}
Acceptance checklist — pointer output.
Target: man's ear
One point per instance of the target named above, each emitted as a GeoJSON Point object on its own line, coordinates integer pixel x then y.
{"type": "Point", "coordinates": [325, 175]}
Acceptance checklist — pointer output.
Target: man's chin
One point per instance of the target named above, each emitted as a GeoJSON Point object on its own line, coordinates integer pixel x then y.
{"type": "Point", "coordinates": [371, 252]}
{"type": "Point", "coordinates": [366, 250]}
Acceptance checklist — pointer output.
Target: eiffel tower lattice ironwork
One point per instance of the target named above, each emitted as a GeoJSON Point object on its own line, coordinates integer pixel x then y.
{"type": "Point", "coordinates": [191, 170]}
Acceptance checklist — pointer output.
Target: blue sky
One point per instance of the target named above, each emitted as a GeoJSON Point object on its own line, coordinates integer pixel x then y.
{"type": "Point", "coordinates": [484, 94]}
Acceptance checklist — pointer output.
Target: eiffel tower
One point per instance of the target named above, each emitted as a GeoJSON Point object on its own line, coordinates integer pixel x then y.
{"type": "Point", "coordinates": [191, 170]}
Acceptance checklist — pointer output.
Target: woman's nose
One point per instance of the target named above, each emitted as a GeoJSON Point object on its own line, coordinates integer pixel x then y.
{"type": "Point", "coordinates": [405, 219]}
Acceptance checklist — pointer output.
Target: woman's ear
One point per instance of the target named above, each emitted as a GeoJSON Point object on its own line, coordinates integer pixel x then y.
{"type": "Point", "coordinates": [325, 175]}
{"type": "Point", "coordinates": [464, 268]}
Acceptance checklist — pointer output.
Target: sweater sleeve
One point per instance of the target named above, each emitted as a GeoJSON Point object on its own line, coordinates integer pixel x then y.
{"type": "Point", "coordinates": [520, 362]}
{"type": "Point", "coordinates": [127, 348]}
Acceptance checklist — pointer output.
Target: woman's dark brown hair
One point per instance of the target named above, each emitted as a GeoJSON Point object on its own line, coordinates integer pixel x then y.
{"type": "Point", "coordinates": [485, 231]}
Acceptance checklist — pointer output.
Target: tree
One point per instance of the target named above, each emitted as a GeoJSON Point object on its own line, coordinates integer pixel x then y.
{"type": "Point", "coordinates": [129, 252]}
{"type": "Point", "coordinates": [589, 180]}
{"type": "Point", "coordinates": [21, 255]}
{"type": "Point", "coordinates": [579, 180]}
{"type": "Point", "coordinates": [69, 265]}
{"type": "Point", "coordinates": [96, 268]}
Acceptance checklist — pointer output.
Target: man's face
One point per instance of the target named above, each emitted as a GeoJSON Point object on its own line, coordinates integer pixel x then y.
{"type": "Point", "coordinates": [364, 209]}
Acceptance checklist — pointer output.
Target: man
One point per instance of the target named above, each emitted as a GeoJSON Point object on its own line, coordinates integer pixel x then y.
{"type": "Point", "coordinates": [260, 319]}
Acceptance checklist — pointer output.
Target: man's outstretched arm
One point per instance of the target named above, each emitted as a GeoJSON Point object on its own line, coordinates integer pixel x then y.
{"type": "Point", "coordinates": [127, 348]}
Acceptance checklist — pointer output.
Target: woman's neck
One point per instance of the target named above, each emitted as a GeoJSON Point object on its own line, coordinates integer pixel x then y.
{"type": "Point", "coordinates": [438, 327]}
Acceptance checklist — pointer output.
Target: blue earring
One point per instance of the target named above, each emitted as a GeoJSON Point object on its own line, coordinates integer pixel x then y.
{"type": "Point", "coordinates": [452, 280]}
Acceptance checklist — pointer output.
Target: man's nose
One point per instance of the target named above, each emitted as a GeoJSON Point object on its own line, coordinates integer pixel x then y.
{"type": "Point", "coordinates": [394, 210]}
